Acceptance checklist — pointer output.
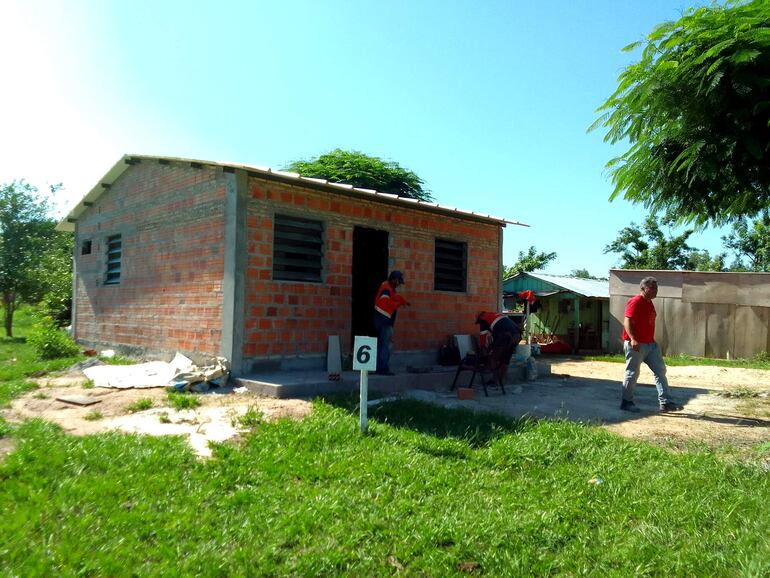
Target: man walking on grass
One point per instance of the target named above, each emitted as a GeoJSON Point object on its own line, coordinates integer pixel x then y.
{"type": "Point", "coordinates": [639, 346]}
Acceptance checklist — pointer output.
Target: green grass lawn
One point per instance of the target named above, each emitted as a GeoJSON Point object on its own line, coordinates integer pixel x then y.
{"type": "Point", "coordinates": [18, 361]}
{"type": "Point", "coordinates": [434, 491]}
{"type": "Point", "coordinates": [429, 492]}
{"type": "Point", "coordinates": [761, 361]}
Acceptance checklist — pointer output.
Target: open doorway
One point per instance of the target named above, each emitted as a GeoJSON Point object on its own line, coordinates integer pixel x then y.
{"type": "Point", "coordinates": [370, 268]}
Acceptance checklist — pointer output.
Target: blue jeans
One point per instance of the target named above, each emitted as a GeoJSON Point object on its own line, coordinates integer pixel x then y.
{"type": "Point", "coordinates": [651, 355]}
{"type": "Point", "coordinates": [384, 340]}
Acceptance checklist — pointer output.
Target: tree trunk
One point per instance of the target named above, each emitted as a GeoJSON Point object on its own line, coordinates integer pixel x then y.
{"type": "Point", "coordinates": [9, 304]}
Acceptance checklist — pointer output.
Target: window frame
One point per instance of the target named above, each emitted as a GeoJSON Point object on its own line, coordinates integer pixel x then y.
{"type": "Point", "coordinates": [114, 259]}
{"type": "Point", "coordinates": [443, 277]}
{"type": "Point", "coordinates": [298, 249]}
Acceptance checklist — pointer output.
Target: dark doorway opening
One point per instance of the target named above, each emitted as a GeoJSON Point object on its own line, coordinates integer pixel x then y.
{"type": "Point", "coordinates": [370, 268]}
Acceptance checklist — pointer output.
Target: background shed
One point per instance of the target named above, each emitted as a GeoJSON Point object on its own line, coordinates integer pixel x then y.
{"type": "Point", "coordinates": [570, 309]}
{"type": "Point", "coordinates": [722, 315]}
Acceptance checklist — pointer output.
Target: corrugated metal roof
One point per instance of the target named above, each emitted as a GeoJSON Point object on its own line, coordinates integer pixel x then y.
{"type": "Point", "coordinates": [584, 287]}
{"type": "Point", "coordinates": [67, 224]}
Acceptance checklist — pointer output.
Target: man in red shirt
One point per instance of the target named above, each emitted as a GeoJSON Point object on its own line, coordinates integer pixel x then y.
{"type": "Point", "coordinates": [386, 304]}
{"type": "Point", "coordinates": [639, 345]}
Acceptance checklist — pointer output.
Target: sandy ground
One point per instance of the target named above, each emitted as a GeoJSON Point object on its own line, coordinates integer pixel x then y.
{"type": "Point", "coordinates": [723, 406]}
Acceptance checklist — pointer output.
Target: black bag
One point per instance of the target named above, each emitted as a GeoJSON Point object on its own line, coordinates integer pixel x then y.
{"type": "Point", "coordinates": [449, 354]}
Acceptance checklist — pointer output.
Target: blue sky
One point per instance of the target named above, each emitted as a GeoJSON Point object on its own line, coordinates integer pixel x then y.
{"type": "Point", "coordinates": [487, 101]}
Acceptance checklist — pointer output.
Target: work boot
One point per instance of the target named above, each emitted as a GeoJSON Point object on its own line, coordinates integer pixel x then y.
{"type": "Point", "coordinates": [629, 406]}
{"type": "Point", "coordinates": [670, 406]}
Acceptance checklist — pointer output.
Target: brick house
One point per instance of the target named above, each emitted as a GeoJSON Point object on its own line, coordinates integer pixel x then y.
{"type": "Point", "coordinates": [261, 266]}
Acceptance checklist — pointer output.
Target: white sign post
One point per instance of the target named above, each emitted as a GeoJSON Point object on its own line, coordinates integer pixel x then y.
{"type": "Point", "coordinates": [365, 360]}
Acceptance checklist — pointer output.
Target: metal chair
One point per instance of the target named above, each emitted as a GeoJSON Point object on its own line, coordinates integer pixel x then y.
{"type": "Point", "coordinates": [481, 365]}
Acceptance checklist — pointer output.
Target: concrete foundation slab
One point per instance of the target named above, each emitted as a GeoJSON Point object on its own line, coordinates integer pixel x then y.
{"type": "Point", "coordinates": [311, 383]}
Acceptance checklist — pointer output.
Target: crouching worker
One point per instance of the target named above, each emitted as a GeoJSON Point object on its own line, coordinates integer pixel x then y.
{"type": "Point", "coordinates": [498, 338]}
{"type": "Point", "coordinates": [386, 304]}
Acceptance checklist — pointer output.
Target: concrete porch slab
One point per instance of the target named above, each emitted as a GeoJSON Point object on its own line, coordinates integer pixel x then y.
{"type": "Point", "coordinates": [311, 383]}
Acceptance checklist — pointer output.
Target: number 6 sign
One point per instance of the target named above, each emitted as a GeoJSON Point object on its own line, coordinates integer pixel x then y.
{"type": "Point", "coordinates": [365, 353]}
{"type": "Point", "coordinates": [364, 359]}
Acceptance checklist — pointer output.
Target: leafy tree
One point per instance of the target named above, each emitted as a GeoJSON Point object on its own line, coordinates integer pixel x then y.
{"type": "Point", "coordinates": [360, 170]}
{"type": "Point", "coordinates": [584, 274]}
{"type": "Point", "coordinates": [54, 277]}
{"type": "Point", "coordinates": [647, 247]}
{"type": "Point", "coordinates": [695, 111]}
{"type": "Point", "coordinates": [699, 260]}
{"type": "Point", "coordinates": [25, 233]}
{"type": "Point", "coordinates": [529, 261]}
{"type": "Point", "coordinates": [750, 242]}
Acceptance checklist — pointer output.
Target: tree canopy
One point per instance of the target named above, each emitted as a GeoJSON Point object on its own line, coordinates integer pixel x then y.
{"type": "Point", "coordinates": [750, 242]}
{"type": "Point", "coordinates": [529, 261]}
{"type": "Point", "coordinates": [360, 170]}
{"type": "Point", "coordinates": [649, 247]}
{"type": "Point", "coordinates": [34, 257]}
{"type": "Point", "coordinates": [695, 110]}
{"type": "Point", "coordinates": [585, 274]}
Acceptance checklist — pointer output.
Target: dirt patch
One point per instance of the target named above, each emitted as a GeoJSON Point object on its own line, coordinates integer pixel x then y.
{"type": "Point", "coordinates": [729, 406]}
{"type": "Point", "coordinates": [722, 406]}
{"type": "Point", "coordinates": [216, 419]}
{"type": "Point", "coordinates": [7, 445]}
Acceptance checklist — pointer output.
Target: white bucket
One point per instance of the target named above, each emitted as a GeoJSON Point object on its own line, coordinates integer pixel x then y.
{"type": "Point", "coordinates": [523, 351]}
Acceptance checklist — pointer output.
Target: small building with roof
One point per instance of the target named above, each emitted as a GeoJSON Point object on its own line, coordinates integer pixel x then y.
{"type": "Point", "coordinates": [571, 310]}
{"type": "Point", "coordinates": [261, 267]}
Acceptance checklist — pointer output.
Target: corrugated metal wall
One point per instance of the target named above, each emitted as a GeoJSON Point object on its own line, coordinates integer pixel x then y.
{"type": "Point", "coordinates": [722, 315]}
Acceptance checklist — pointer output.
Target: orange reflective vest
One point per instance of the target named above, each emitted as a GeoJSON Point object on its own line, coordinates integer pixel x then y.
{"type": "Point", "coordinates": [386, 302]}
{"type": "Point", "coordinates": [487, 322]}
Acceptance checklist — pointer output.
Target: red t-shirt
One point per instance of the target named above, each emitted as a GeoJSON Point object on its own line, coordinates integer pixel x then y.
{"type": "Point", "coordinates": [642, 314]}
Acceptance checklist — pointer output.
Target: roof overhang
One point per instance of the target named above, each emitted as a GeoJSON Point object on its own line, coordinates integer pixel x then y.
{"type": "Point", "coordinates": [68, 222]}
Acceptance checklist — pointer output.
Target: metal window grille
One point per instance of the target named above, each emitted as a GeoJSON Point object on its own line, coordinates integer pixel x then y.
{"type": "Point", "coordinates": [114, 254]}
{"type": "Point", "coordinates": [450, 273]}
{"type": "Point", "coordinates": [297, 249]}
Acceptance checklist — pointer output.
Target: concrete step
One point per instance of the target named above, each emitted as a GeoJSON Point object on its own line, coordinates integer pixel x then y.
{"type": "Point", "coordinates": [312, 383]}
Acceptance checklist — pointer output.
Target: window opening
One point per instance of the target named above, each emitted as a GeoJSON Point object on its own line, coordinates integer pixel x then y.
{"type": "Point", "coordinates": [114, 254]}
{"type": "Point", "coordinates": [450, 267]}
{"type": "Point", "coordinates": [297, 249]}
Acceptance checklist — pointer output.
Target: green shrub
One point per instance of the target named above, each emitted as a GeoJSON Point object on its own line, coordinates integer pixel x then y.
{"type": "Point", "coordinates": [251, 419]}
{"type": "Point", "coordinates": [93, 416]}
{"type": "Point", "coordinates": [50, 342]}
{"type": "Point", "coordinates": [180, 401]}
{"type": "Point", "coordinates": [57, 303]}
{"type": "Point", "coordinates": [762, 357]}
{"type": "Point", "coordinates": [140, 405]}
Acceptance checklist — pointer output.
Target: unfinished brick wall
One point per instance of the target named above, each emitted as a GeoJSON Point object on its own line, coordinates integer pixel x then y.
{"type": "Point", "coordinates": [286, 318]}
{"type": "Point", "coordinates": [171, 218]}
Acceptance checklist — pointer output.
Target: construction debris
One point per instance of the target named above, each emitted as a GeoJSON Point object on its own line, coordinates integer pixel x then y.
{"type": "Point", "coordinates": [78, 399]}
{"type": "Point", "coordinates": [180, 374]}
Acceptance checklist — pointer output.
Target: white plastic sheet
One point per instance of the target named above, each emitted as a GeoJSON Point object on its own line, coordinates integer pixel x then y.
{"type": "Point", "coordinates": [150, 374]}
